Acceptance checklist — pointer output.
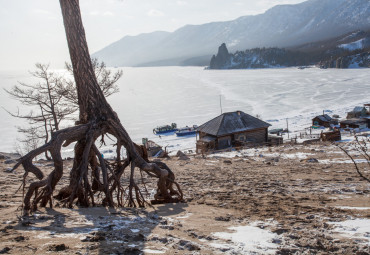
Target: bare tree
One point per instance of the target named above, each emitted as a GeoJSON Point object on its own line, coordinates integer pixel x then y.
{"type": "Point", "coordinates": [96, 118]}
{"type": "Point", "coordinates": [54, 98]}
{"type": "Point", "coordinates": [361, 147]}
{"type": "Point", "coordinates": [49, 108]}
{"type": "Point", "coordinates": [106, 80]}
{"type": "Point", "coordinates": [31, 140]}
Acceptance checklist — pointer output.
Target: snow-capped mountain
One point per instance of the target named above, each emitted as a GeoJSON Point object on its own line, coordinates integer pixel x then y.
{"type": "Point", "coordinates": [281, 26]}
{"type": "Point", "coordinates": [351, 50]}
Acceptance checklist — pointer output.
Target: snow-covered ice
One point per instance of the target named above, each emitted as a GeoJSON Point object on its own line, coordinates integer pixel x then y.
{"type": "Point", "coordinates": [191, 95]}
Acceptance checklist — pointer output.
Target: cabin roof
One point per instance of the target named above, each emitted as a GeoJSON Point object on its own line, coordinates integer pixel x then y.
{"type": "Point", "coordinates": [359, 109]}
{"type": "Point", "coordinates": [324, 117]}
{"type": "Point", "coordinates": [232, 122]}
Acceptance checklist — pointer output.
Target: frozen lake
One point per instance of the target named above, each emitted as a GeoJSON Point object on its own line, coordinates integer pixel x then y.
{"type": "Point", "coordinates": [190, 95]}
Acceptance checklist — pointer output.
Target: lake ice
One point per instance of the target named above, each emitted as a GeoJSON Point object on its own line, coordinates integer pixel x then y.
{"type": "Point", "coordinates": [154, 96]}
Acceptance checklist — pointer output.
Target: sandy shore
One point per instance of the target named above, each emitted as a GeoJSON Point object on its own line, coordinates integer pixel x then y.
{"type": "Point", "coordinates": [280, 200]}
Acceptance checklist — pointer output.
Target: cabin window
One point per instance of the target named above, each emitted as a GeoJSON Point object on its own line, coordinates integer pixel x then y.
{"type": "Point", "coordinates": [241, 138]}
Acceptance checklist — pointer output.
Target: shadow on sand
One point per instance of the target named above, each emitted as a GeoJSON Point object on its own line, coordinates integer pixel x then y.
{"type": "Point", "coordinates": [98, 230]}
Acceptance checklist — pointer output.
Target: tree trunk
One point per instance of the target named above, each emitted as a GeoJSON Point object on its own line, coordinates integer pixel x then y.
{"type": "Point", "coordinates": [91, 100]}
{"type": "Point", "coordinates": [96, 119]}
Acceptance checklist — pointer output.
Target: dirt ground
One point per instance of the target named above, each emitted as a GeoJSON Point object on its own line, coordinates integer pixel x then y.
{"type": "Point", "coordinates": [295, 195]}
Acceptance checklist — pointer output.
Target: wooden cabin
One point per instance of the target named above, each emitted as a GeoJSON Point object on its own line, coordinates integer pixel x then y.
{"type": "Point", "coordinates": [324, 120]}
{"type": "Point", "coordinates": [355, 123]}
{"type": "Point", "coordinates": [331, 136]}
{"type": "Point", "coordinates": [357, 112]}
{"type": "Point", "coordinates": [229, 130]}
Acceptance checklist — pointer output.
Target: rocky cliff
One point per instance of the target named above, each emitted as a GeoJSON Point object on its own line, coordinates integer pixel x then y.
{"type": "Point", "coordinates": [257, 58]}
{"type": "Point", "coordinates": [359, 60]}
{"type": "Point", "coordinates": [222, 59]}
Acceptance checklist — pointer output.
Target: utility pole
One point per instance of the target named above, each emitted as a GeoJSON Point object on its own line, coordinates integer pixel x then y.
{"type": "Point", "coordinates": [287, 126]}
{"type": "Point", "coordinates": [220, 104]}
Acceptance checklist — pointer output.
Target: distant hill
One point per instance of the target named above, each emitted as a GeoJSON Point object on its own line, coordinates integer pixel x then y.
{"type": "Point", "coordinates": [281, 26]}
{"type": "Point", "coordinates": [351, 50]}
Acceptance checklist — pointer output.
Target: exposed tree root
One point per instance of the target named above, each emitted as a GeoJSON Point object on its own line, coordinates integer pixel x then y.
{"type": "Point", "coordinates": [92, 176]}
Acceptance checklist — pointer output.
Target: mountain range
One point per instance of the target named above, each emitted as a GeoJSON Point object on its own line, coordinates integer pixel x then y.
{"type": "Point", "coordinates": [351, 50]}
{"type": "Point", "coordinates": [281, 26]}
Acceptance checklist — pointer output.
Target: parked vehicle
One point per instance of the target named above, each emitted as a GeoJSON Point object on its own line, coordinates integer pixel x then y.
{"type": "Point", "coordinates": [165, 129]}
{"type": "Point", "coordinates": [186, 131]}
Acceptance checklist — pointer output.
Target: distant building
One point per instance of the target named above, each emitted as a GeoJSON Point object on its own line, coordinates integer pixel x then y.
{"type": "Point", "coordinates": [152, 148]}
{"type": "Point", "coordinates": [230, 129]}
{"type": "Point", "coordinates": [355, 123]}
{"type": "Point", "coordinates": [368, 108]}
{"type": "Point", "coordinates": [331, 136]}
{"type": "Point", "coordinates": [324, 120]}
{"type": "Point", "coordinates": [357, 112]}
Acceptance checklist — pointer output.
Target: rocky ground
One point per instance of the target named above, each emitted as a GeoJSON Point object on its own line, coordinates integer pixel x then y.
{"type": "Point", "coordinates": [290, 199]}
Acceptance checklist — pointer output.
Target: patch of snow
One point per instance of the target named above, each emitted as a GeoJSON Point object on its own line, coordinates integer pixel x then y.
{"type": "Point", "coordinates": [248, 239]}
{"type": "Point", "coordinates": [135, 230]}
{"type": "Point", "coordinates": [150, 251]}
{"type": "Point", "coordinates": [352, 208]}
{"type": "Point", "coordinates": [47, 235]}
{"type": "Point", "coordinates": [359, 228]}
{"type": "Point", "coordinates": [341, 161]}
{"type": "Point", "coordinates": [115, 241]}
{"type": "Point", "coordinates": [185, 216]}
{"type": "Point", "coordinates": [233, 43]}
{"type": "Point", "coordinates": [220, 245]}
{"type": "Point", "coordinates": [298, 155]}
{"type": "Point", "coordinates": [353, 45]}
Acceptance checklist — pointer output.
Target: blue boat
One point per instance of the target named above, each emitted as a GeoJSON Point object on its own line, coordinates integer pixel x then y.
{"type": "Point", "coordinates": [165, 129]}
{"type": "Point", "coordinates": [186, 131]}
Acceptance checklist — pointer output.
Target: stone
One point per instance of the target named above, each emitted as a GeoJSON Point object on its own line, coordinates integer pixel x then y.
{"type": "Point", "coordinates": [312, 160]}
{"type": "Point", "coordinates": [57, 247]}
{"type": "Point", "coordinates": [139, 238]}
{"type": "Point", "coordinates": [19, 238]}
{"type": "Point", "coordinates": [222, 218]}
{"type": "Point", "coordinates": [5, 250]}
{"type": "Point", "coordinates": [182, 156]}
{"type": "Point", "coordinates": [10, 161]}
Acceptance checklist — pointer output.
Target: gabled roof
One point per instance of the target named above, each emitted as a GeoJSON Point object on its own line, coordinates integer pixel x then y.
{"type": "Point", "coordinates": [232, 122]}
{"type": "Point", "coordinates": [324, 117]}
{"type": "Point", "coordinates": [359, 109]}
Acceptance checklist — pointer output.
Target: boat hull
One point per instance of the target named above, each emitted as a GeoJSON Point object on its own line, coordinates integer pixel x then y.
{"type": "Point", "coordinates": [164, 132]}
{"type": "Point", "coordinates": [185, 133]}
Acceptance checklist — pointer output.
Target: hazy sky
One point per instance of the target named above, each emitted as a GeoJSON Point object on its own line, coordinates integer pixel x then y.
{"type": "Point", "coordinates": [32, 30]}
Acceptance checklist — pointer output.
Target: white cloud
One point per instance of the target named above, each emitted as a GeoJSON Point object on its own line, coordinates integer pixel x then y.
{"type": "Point", "coordinates": [98, 13]}
{"type": "Point", "coordinates": [94, 13]}
{"type": "Point", "coordinates": [181, 2]}
{"type": "Point", "coordinates": [108, 13]}
{"type": "Point", "coordinates": [41, 11]}
{"type": "Point", "coordinates": [155, 13]}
